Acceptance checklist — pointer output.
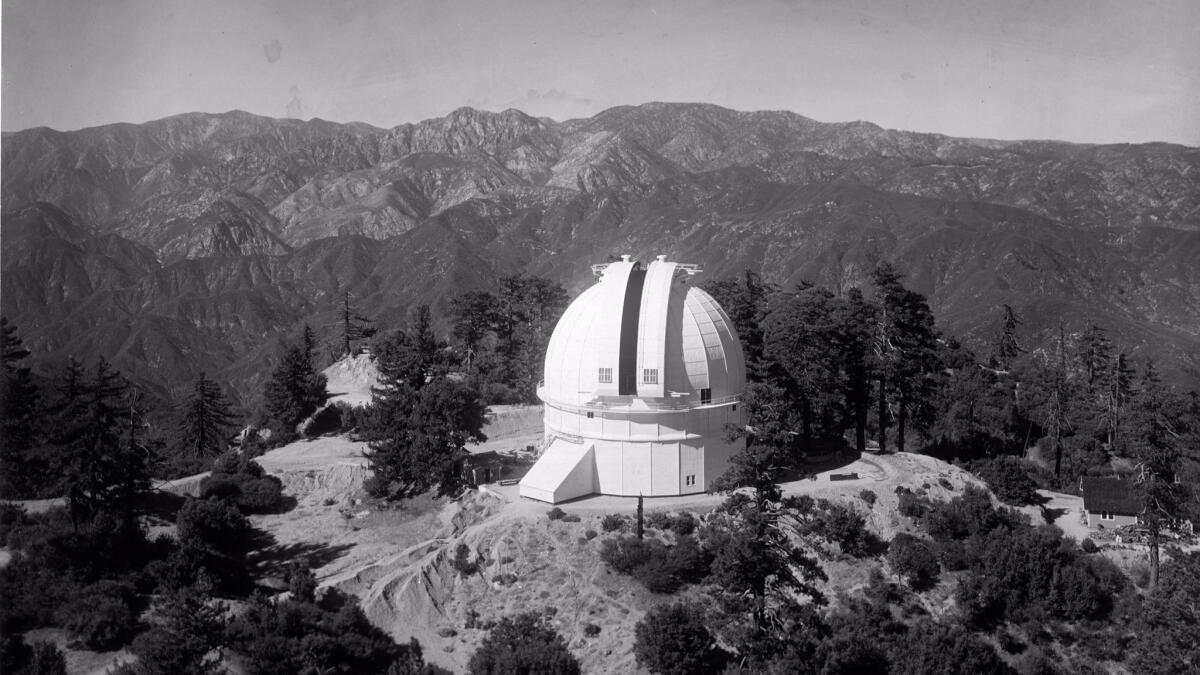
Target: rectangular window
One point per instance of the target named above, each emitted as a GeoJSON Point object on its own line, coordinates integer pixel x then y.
{"type": "Point", "coordinates": [591, 414]}
{"type": "Point", "coordinates": [706, 395]}
{"type": "Point", "coordinates": [606, 375]}
{"type": "Point", "coordinates": [1105, 515]}
{"type": "Point", "coordinates": [689, 479]}
{"type": "Point", "coordinates": [650, 376]}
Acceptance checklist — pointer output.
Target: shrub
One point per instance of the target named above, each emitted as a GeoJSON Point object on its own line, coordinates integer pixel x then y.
{"type": "Point", "coordinates": [672, 640]}
{"type": "Point", "coordinates": [103, 617]}
{"type": "Point", "coordinates": [505, 578]}
{"type": "Point", "coordinates": [660, 568]}
{"type": "Point", "coordinates": [612, 522]}
{"type": "Point", "coordinates": [239, 480]}
{"type": "Point", "coordinates": [571, 518]}
{"type": "Point", "coordinates": [213, 537]}
{"type": "Point", "coordinates": [1088, 545]}
{"type": "Point", "coordinates": [462, 561]}
{"type": "Point", "coordinates": [683, 524]}
{"type": "Point", "coordinates": [41, 658]}
{"type": "Point", "coordinates": [910, 505]}
{"type": "Point", "coordinates": [867, 496]}
{"type": "Point", "coordinates": [914, 560]}
{"type": "Point", "coordinates": [842, 526]}
{"type": "Point", "coordinates": [555, 513]}
{"type": "Point", "coordinates": [658, 520]}
{"type": "Point", "coordinates": [1009, 479]}
{"type": "Point", "coordinates": [591, 630]}
{"type": "Point", "coordinates": [279, 637]}
{"type": "Point", "coordinates": [523, 644]}
{"type": "Point", "coordinates": [590, 535]}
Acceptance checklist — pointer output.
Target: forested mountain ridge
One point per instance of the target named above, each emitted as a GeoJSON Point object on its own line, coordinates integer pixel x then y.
{"type": "Point", "coordinates": [190, 242]}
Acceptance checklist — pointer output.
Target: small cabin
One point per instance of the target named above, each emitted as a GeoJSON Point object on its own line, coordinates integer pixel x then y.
{"type": "Point", "coordinates": [1110, 502]}
{"type": "Point", "coordinates": [484, 467]}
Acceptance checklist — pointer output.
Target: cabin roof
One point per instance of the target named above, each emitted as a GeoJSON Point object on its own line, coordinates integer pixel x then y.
{"type": "Point", "coordinates": [1110, 494]}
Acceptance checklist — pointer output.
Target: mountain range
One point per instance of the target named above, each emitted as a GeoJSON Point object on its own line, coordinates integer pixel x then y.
{"type": "Point", "coordinates": [194, 242]}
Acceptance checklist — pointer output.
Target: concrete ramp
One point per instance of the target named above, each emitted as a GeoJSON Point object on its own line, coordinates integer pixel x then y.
{"type": "Point", "coordinates": [565, 471]}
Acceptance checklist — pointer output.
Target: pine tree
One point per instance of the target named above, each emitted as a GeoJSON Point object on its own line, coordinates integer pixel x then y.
{"type": "Point", "coordinates": [746, 301]}
{"type": "Point", "coordinates": [1006, 348]}
{"type": "Point", "coordinates": [906, 350]}
{"type": "Point", "coordinates": [296, 390]}
{"type": "Point", "coordinates": [203, 421]}
{"type": "Point", "coordinates": [1159, 438]}
{"type": "Point", "coordinates": [187, 629]}
{"type": "Point", "coordinates": [101, 466]}
{"type": "Point", "coordinates": [419, 442]}
{"type": "Point", "coordinates": [20, 470]}
{"type": "Point", "coordinates": [353, 326]}
{"type": "Point", "coordinates": [1095, 351]}
{"type": "Point", "coordinates": [473, 318]}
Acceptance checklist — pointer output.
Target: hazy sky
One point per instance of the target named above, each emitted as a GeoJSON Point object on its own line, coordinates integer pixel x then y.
{"type": "Point", "coordinates": [1094, 70]}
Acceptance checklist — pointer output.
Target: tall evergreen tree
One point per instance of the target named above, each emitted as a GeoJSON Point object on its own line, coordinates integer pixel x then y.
{"type": "Point", "coordinates": [203, 421]}
{"type": "Point", "coordinates": [1160, 435]}
{"type": "Point", "coordinates": [906, 348]}
{"type": "Point", "coordinates": [746, 301]}
{"type": "Point", "coordinates": [102, 468]}
{"type": "Point", "coordinates": [855, 318]}
{"type": "Point", "coordinates": [504, 334]}
{"type": "Point", "coordinates": [1005, 348]}
{"type": "Point", "coordinates": [420, 421]}
{"type": "Point", "coordinates": [1095, 351]}
{"type": "Point", "coordinates": [353, 326]}
{"type": "Point", "coordinates": [20, 470]}
{"type": "Point", "coordinates": [296, 389]}
{"type": "Point", "coordinates": [473, 318]}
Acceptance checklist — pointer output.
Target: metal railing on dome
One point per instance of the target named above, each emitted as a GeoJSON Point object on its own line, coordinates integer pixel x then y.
{"type": "Point", "coordinates": [652, 405]}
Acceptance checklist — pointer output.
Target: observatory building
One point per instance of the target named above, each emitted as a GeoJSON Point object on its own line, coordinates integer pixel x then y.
{"type": "Point", "coordinates": [643, 372]}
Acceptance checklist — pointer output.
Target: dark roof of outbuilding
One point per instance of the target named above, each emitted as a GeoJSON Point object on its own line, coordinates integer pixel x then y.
{"type": "Point", "coordinates": [1109, 494]}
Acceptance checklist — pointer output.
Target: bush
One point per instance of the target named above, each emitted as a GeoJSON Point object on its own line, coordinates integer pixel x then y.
{"type": "Point", "coordinates": [612, 522]}
{"type": "Point", "coordinates": [910, 505]}
{"type": "Point", "coordinates": [555, 513]}
{"type": "Point", "coordinates": [523, 644]}
{"type": "Point", "coordinates": [672, 640]}
{"type": "Point", "coordinates": [660, 568]}
{"type": "Point", "coordinates": [239, 480]}
{"type": "Point", "coordinates": [462, 561]}
{"type": "Point", "coordinates": [1088, 545]}
{"type": "Point", "coordinates": [867, 496]}
{"type": "Point", "coordinates": [103, 617]}
{"type": "Point", "coordinates": [843, 526]}
{"type": "Point", "coordinates": [683, 524]}
{"type": "Point", "coordinates": [591, 630]}
{"type": "Point", "coordinates": [1009, 478]}
{"type": "Point", "coordinates": [914, 560]}
{"type": "Point", "coordinates": [333, 637]}
{"type": "Point", "coordinates": [658, 520]}
{"type": "Point", "coordinates": [213, 538]}
{"type": "Point", "coordinates": [42, 658]}
{"type": "Point", "coordinates": [590, 535]}
{"type": "Point", "coordinates": [571, 518]}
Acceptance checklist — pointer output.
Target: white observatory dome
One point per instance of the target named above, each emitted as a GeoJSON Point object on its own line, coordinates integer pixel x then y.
{"type": "Point", "coordinates": [642, 373]}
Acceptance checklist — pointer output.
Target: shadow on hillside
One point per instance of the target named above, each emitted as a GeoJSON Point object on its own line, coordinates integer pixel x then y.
{"type": "Point", "coordinates": [822, 457]}
{"type": "Point", "coordinates": [270, 558]}
{"type": "Point", "coordinates": [1051, 515]}
{"type": "Point", "coordinates": [161, 507]}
